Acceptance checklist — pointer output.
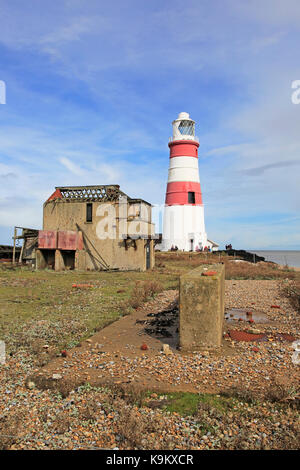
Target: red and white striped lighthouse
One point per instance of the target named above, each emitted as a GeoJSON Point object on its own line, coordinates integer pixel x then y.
{"type": "Point", "coordinates": [184, 212]}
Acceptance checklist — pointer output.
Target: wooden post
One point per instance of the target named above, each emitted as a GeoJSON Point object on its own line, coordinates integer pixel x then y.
{"type": "Point", "coordinates": [22, 249]}
{"type": "Point", "coordinates": [14, 250]}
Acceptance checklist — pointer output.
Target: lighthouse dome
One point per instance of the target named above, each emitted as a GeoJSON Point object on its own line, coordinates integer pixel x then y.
{"type": "Point", "coordinates": [183, 115]}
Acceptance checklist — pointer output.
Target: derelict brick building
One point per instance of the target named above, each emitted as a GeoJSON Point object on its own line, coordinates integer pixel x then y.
{"type": "Point", "coordinates": [95, 228]}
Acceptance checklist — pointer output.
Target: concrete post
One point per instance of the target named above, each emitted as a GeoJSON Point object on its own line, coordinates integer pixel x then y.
{"type": "Point", "coordinates": [202, 308]}
{"type": "Point", "coordinates": [40, 262]}
{"type": "Point", "coordinates": [59, 261]}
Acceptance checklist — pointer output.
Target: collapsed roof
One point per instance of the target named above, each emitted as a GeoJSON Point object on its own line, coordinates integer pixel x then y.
{"type": "Point", "coordinates": [100, 193]}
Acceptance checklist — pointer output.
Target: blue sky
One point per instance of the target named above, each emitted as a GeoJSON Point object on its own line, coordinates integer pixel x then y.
{"type": "Point", "coordinates": [92, 88]}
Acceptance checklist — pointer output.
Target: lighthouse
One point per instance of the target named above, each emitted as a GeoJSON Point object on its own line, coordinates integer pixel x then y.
{"type": "Point", "coordinates": [183, 225]}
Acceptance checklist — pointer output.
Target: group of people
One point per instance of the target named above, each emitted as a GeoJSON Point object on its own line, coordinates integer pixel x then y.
{"type": "Point", "coordinates": [206, 248]}
{"type": "Point", "coordinates": [228, 247]}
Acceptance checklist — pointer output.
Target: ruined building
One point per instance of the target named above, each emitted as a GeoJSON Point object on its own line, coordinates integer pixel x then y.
{"type": "Point", "coordinates": [95, 228]}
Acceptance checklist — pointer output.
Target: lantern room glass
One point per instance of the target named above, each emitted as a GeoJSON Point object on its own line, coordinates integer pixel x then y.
{"type": "Point", "coordinates": [187, 128]}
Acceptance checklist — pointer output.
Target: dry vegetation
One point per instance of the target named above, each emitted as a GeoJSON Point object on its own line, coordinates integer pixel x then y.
{"type": "Point", "coordinates": [292, 291]}
{"type": "Point", "coordinates": [179, 263]}
{"type": "Point", "coordinates": [142, 292]}
{"type": "Point", "coordinates": [10, 426]}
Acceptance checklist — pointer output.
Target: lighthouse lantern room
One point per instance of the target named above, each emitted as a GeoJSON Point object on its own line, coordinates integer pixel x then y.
{"type": "Point", "coordinates": [183, 225]}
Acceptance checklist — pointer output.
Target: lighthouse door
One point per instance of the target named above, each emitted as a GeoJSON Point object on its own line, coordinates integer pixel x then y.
{"type": "Point", "coordinates": [192, 244]}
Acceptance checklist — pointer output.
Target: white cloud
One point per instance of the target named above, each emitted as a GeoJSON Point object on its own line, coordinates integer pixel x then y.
{"type": "Point", "coordinates": [72, 167]}
{"type": "Point", "coordinates": [71, 32]}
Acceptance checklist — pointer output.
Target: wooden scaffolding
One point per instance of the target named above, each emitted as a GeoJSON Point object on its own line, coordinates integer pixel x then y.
{"type": "Point", "coordinates": [30, 242]}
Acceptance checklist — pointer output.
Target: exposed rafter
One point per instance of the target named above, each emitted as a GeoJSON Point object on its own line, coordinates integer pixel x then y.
{"type": "Point", "coordinates": [100, 193]}
{"type": "Point", "coordinates": [91, 193]}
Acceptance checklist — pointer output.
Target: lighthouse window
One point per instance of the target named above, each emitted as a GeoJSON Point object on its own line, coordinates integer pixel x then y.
{"type": "Point", "coordinates": [191, 197]}
{"type": "Point", "coordinates": [89, 212]}
{"type": "Point", "coordinates": [186, 128]}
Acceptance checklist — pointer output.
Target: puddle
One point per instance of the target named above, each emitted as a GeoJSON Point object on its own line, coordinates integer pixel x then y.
{"type": "Point", "coordinates": [235, 314]}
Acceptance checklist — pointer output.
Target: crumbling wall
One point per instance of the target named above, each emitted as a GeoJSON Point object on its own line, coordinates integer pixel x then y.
{"type": "Point", "coordinates": [112, 252]}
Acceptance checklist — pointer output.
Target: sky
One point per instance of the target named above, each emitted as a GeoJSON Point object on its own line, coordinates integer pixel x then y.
{"type": "Point", "coordinates": [92, 87]}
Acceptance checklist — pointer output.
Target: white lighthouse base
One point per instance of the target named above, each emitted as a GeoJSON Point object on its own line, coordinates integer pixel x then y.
{"type": "Point", "coordinates": [184, 228]}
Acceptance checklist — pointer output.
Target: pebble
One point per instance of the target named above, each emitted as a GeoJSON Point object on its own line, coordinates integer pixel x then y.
{"type": "Point", "coordinates": [56, 376]}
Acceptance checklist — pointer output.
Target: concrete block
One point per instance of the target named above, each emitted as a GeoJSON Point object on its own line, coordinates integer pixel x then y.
{"type": "Point", "coordinates": [59, 261]}
{"type": "Point", "coordinates": [40, 262]}
{"type": "Point", "coordinates": [201, 301]}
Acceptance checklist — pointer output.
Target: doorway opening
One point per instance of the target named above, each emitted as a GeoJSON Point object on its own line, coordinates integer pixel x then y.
{"type": "Point", "coordinates": [69, 259]}
{"type": "Point", "coordinates": [148, 255]}
{"type": "Point", "coordinates": [49, 258]}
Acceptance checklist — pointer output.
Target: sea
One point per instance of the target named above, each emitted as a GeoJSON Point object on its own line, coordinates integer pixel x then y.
{"type": "Point", "coordinates": [289, 257]}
